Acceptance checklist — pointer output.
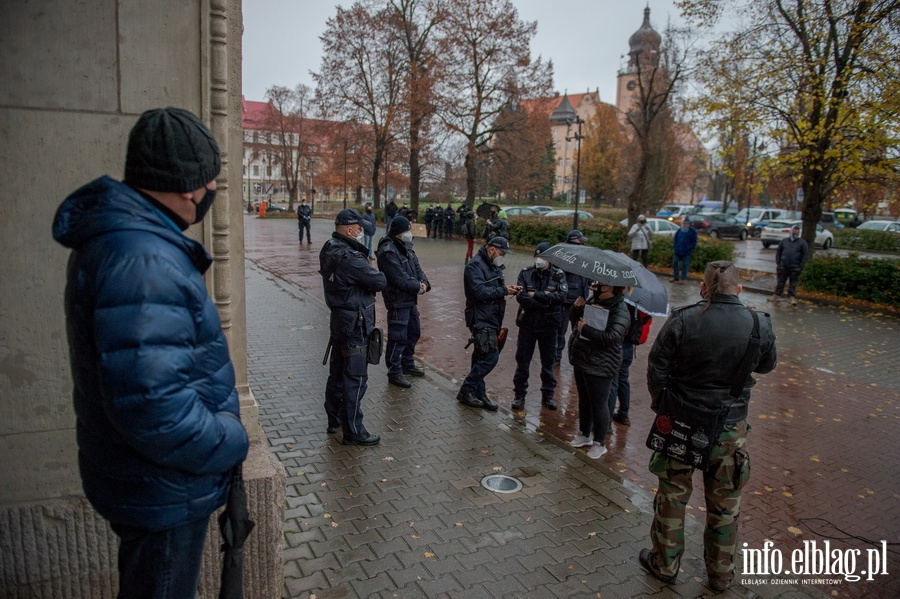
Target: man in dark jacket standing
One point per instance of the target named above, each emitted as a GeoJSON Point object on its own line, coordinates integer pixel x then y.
{"type": "Point", "coordinates": [405, 283]}
{"type": "Point", "coordinates": [449, 216]}
{"type": "Point", "coordinates": [304, 213]}
{"type": "Point", "coordinates": [697, 354]}
{"type": "Point", "coordinates": [682, 248]}
{"type": "Point", "coordinates": [350, 287]}
{"type": "Point", "coordinates": [790, 258]}
{"type": "Point", "coordinates": [540, 309]}
{"type": "Point", "coordinates": [158, 427]}
{"type": "Point", "coordinates": [485, 306]}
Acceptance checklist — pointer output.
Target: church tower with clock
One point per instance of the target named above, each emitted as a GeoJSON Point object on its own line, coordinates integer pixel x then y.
{"type": "Point", "coordinates": [643, 56]}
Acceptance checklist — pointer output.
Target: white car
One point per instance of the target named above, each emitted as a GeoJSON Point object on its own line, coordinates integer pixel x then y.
{"type": "Point", "coordinates": [519, 211]}
{"type": "Point", "coordinates": [658, 226]}
{"type": "Point", "coordinates": [582, 215]}
{"type": "Point", "coordinates": [880, 225]}
{"type": "Point", "coordinates": [776, 230]}
{"type": "Point", "coordinates": [542, 209]}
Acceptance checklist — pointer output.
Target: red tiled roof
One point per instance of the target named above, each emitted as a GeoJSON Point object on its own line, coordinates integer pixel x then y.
{"type": "Point", "coordinates": [548, 105]}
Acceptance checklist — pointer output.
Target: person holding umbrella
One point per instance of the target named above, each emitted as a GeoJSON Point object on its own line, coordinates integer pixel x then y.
{"type": "Point", "coordinates": [596, 355]}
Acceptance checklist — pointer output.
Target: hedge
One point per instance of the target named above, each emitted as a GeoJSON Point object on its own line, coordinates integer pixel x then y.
{"type": "Point", "coordinates": [872, 279]}
{"type": "Point", "coordinates": [865, 240]}
{"type": "Point", "coordinates": [528, 231]}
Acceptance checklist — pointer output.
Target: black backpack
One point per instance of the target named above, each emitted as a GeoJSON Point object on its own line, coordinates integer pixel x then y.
{"type": "Point", "coordinates": [639, 329]}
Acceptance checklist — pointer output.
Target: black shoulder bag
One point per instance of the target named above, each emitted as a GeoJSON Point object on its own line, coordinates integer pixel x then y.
{"type": "Point", "coordinates": [687, 432]}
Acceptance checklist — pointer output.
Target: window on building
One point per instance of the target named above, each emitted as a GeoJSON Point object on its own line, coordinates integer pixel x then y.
{"type": "Point", "coordinates": [256, 188]}
{"type": "Point", "coordinates": [558, 162]}
{"type": "Point", "coordinates": [255, 170]}
{"type": "Point", "coordinates": [268, 170]}
{"type": "Point", "coordinates": [568, 162]}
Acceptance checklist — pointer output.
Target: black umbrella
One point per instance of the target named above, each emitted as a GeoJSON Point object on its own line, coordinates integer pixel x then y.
{"type": "Point", "coordinates": [235, 525]}
{"type": "Point", "coordinates": [591, 262]}
{"type": "Point", "coordinates": [652, 296]}
{"type": "Point", "coordinates": [484, 211]}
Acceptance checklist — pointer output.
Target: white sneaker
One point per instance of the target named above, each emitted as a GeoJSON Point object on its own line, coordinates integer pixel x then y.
{"type": "Point", "coordinates": [596, 452]}
{"type": "Point", "coordinates": [581, 441]}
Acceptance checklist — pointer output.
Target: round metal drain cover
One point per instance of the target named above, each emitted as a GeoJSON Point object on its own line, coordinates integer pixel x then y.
{"type": "Point", "coordinates": [500, 483]}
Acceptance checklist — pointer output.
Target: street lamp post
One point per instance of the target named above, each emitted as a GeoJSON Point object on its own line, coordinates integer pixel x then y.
{"type": "Point", "coordinates": [577, 137]}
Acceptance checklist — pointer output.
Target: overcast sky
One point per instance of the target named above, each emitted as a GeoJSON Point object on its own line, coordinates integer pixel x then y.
{"type": "Point", "coordinates": [585, 39]}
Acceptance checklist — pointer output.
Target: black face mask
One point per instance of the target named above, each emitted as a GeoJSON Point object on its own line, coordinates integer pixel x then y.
{"type": "Point", "coordinates": [204, 204]}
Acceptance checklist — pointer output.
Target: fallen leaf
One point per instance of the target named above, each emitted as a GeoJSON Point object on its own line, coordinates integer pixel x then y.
{"type": "Point", "coordinates": [387, 459]}
{"type": "Point", "coordinates": [592, 534]}
{"type": "Point", "coordinates": [326, 516]}
{"type": "Point", "coordinates": [414, 537]}
{"type": "Point", "coordinates": [485, 451]}
{"type": "Point", "coordinates": [301, 473]}
{"type": "Point", "coordinates": [814, 458]}
{"type": "Point", "coordinates": [334, 525]}
{"type": "Point", "coordinates": [458, 524]}
{"type": "Point", "coordinates": [429, 554]}
{"type": "Point", "coordinates": [795, 530]}
{"type": "Point", "coordinates": [498, 468]}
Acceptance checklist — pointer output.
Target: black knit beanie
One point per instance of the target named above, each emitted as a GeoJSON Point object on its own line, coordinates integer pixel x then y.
{"type": "Point", "coordinates": [170, 149]}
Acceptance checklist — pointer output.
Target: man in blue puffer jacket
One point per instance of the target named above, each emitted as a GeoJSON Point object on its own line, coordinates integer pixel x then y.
{"type": "Point", "coordinates": [158, 428]}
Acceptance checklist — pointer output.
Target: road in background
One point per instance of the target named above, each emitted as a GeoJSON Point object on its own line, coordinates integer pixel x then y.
{"type": "Point", "coordinates": [824, 422]}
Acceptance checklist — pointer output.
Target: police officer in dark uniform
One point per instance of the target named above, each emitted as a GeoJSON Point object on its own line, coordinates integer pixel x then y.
{"type": "Point", "coordinates": [449, 218]}
{"type": "Point", "coordinates": [578, 286]}
{"type": "Point", "coordinates": [350, 286]}
{"type": "Point", "coordinates": [405, 283]}
{"type": "Point", "coordinates": [486, 294]}
{"type": "Point", "coordinates": [429, 218]}
{"type": "Point", "coordinates": [540, 309]}
{"type": "Point", "coordinates": [304, 212]}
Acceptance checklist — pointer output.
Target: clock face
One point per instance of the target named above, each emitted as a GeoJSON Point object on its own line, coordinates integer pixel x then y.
{"type": "Point", "coordinates": [631, 85]}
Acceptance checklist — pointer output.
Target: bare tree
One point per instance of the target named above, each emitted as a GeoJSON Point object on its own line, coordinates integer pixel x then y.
{"type": "Point", "coordinates": [522, 157]}
{"type": "Point", "coordinates": [487, 68]}
{"type": "Point", "coordinates": [657, 71]}
{"type": "Point", "coordinates": [287, 128]}
{"type": "Point", "coordinates": [415, 22]}
{"type": "Point", "coordinates": [362, 76]}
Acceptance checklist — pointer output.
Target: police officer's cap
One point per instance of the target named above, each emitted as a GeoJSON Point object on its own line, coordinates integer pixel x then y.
{"type": "Point", "coordinates": [347, 216]}
{"type": "Point", "coordinates": [500, 243]}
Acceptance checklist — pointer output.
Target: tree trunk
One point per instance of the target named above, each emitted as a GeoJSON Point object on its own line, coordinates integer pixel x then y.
{"type": "Point", "coordinates": [415, 171]}
{"type": "Point", "coordinates": [471, 174]}
{"type": "Point", "coordinates": [376, 168]}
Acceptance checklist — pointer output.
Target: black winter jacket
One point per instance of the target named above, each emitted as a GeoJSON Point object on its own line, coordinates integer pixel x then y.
{"type": "Point", "coordinates": [350, 286]}
{"type": "Point", "coordinates": [791, 253]}
{"type": "Point", "coordinates": [599, 353]}
{"type": "Point", "coordinates": [485, 292]}
{"type": "Point", "coordinates": [400, 265]}
{"type": "Point", "coordinates": [699, 354]}
{"type": "Point", "coordinates": [544, 310]}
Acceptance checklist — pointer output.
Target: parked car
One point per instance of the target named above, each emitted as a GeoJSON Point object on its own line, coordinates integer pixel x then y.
{"type": "Point", "coordinates": [520, 211]}
{"type": "Point", "coordinates": [830, 222]}
{"type": "Point", "coordinates": [582, 215]}
{"type": "Point", "coordinates": [757, 218]}
{"type": "Point", "coordinates": [719, 225]}
{"type": "Point", "coordinates": [658, 226]}
{"type": "Point", "coordinates": [847, 217]}
{"type": "Point", "coordinates": [675, 212]}
{"type": "Point", "coordinates": [881, 225]}
{"type": "Point", "coordinates": [275, 208]}
{"type": "Point", "coordinates": [775, 231]}
{"type": "Point", "coordinates": [543, 210]}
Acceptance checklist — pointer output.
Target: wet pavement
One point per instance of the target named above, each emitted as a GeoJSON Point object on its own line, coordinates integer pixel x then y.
{"type": "Point", "coordinates": [822, 444]}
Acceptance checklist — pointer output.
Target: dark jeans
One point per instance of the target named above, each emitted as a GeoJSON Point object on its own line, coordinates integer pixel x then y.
{"type": "Point", "coordinates": [160, 565]}
{"type": "Point", "coordinates": [348, 378]}
{"type": "Point", "coordinates": [403, 334]}
{"type": "Point", "coordinates": [593, 404]}
{"type": "Point", "coordinates": [684, 262]}
{"type": "Point", "coordinates": [783, 275]}
{"type": "Point", "coordinates": [546, 342]}
{"type": "Point", "coordinates": [304, 226]}
{"type": "Point", "coordinates": [482, 365]}
{"type": "Point", "coordinates": [642, 254]}
{"type": "Point", "coordinates": [620, 388]}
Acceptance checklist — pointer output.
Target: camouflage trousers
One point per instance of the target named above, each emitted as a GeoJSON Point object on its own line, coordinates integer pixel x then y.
{"type": "Point", "coordinates": [728, 471]}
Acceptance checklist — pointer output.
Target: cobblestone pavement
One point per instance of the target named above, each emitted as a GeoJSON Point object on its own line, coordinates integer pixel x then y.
{"type": "Point", "coordinates": [821, 442]}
